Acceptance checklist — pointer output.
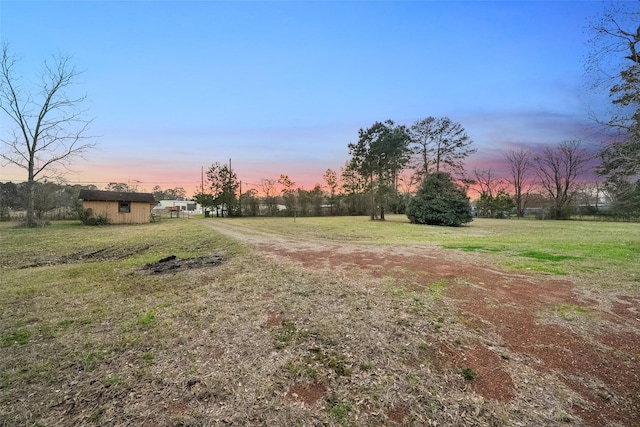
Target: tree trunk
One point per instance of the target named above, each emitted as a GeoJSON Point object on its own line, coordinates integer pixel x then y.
{"type": "Point", "coordinates": [31, 197]}
{"type": "Point", "coordinates": [519, 210]}
{"type": "Point", "coordinates": [373, 199]}
{"type": "Point", "coordinates": [373, 205]}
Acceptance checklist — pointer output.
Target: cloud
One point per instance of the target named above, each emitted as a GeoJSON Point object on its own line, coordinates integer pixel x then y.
{"type": "Point", "coordinates": [497, 133]}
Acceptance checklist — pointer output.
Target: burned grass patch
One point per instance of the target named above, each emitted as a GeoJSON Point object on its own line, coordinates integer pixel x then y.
{"type": "Point", "coordinates": [172, 264]}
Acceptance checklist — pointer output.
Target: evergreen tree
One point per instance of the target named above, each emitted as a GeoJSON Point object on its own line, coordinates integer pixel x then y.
{"type": "Point", "coordinates": [378, 157]}
{"type": "Point", "coordinates": [223, 183]}
{"type": "Point", "coordinates": [440, 201]}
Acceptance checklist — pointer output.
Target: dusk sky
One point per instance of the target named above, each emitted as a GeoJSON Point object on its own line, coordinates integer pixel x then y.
{"type": "Point", "coordinates": [284, 86]}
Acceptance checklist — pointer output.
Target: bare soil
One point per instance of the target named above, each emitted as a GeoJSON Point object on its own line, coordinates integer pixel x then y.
{"type": "Point", "coordinates": [529, 337]}
{"type": "Point", "coordinates": [172, 264]}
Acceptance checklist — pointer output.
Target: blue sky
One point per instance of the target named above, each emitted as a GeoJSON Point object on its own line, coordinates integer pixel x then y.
{"type": "Point", "coordinates": [284, 86]}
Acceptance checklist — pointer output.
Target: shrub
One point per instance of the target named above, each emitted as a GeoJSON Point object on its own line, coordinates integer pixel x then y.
{"type": "Point", "coordinates": [88, 218]}
{"type": "Point", "coordinates": [440, 201]}
{"type": "Point", "coordinates": [469, 374]}
{"type": "Point", "coordinates": [563, 212]}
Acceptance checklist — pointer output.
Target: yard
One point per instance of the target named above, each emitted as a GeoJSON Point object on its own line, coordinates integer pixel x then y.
{"type": "Point", "coordinates": [320, 321]}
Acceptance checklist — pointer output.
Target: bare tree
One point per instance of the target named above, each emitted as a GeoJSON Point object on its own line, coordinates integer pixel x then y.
{"type": "Point", "coordinates": [331, 179]}
{"type": "Point", "coordinates": [438, 145]}
{"type": "Point", "coordinates": [613, 59]}
{"type": "Point", "coordinates": [558, 169]}
{"type": "Point", "coordinates": [269, 190]}
{"type": "Point", "coordinates": [590, 194]}
{"type": "Point", "coordinates": [177, 193]}
{"type": "Point", "coordinates": [487, 181]}
{"type": "Point", "coordinates": [354, 190]}
{"type": "Point", "coordinates": [122, 187]}
{"type": "Point", "coordinates": [520, 165]}
{"type": "Point", "coordinates": [289, 194]}
{"type": "Point", "coordinates": [49, 127]}
{"type": "Point", "coordinates": [489, 186]}
{"type": "Point", "coordinates": [614, 65]}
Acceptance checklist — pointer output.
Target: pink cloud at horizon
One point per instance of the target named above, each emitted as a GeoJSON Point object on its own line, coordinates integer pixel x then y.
{"type": "Point", "coordinates": [174, 165]}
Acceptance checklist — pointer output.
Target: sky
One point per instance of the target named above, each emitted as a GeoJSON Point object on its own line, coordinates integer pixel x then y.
{"type": "Point", "coordinates": [282, 87]}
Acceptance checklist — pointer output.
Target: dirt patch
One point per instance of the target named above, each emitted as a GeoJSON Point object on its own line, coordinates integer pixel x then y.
{"type": "Point", "coordinates": [274, 319]}
{"type": "Point", "coordinates": [397, 414]}
{"type": "Point", "coordinates": [627, 308]}
{"type": "Point", "coordinates": [522, 329]}
{"type": "Point", "coordinates": [309, 394]}
{"type": "Point", "coordinates": [483, 370]}
{"type": "Point", "coordinates": [598, 363]}
{"type": "Point", "coordinates": [172, 264]}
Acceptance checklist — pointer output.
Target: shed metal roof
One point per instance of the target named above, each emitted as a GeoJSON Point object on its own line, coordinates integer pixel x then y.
{"type": "Point", "coordinates": [116, 196]}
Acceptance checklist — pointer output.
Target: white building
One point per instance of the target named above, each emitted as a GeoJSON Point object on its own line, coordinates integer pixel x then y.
{"type": "Point", "coordinates": [185, 207]}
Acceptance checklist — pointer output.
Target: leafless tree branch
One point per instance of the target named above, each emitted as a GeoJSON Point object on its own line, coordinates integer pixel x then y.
{"type": "Point", "coordinates": [47, 132]}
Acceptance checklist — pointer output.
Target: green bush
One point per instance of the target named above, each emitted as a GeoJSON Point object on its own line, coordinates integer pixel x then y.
{"type": "Point", "coordinates": [440, 201]}
{"type": "Point", "coordinates": [5, 213]}
{"type": "Point", "coordinates": [563, 212]}
{"type": "Point", "coordinates": [87, 217]}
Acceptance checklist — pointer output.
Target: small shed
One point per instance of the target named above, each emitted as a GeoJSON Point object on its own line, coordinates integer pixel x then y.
{"type": "Point", "coordinates": [119, 207]}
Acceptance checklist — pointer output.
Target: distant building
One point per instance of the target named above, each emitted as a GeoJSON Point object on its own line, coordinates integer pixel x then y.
{"type": "Point", "coordinates": [184, 205]}
{"type": "Point", "coordinates": [119, 207]}
{"type": "Point", "coordinates": [180, 208]}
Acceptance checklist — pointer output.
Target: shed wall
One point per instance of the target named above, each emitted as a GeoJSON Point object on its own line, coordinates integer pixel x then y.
{"type": "Point", "coordinates": [140, 212]}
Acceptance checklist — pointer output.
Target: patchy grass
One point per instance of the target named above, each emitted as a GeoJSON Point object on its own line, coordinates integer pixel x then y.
{"type": "Point", "coordinates": [288, 333]}
{"type": "Point", "coordinates": [338, 409]}
{"type": "Point", "coordinates": [468, 374]}
{"type": "Point", "coordinates": [438, 287]}
{"type": "Point", "coordinates": [470, 248]}
{"type": "Point", "coordinates": [569, 312]}
{"type": "Point", "coordinates": [544, 256]}
{"type": "Point", "coordinates": [89, 339]}
{"type": "Point", "coordinates": [19, 338]}
{"type": "Point", "coordinates": [604, 253]}
{"type": "Point", "coordinates": [147, 318]}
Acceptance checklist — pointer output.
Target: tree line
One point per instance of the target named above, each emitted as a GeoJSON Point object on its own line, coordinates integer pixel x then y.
{"type": "Point", "coordinates": [386, 163]}
{"type": "Point", "coordinates": [389, 162]}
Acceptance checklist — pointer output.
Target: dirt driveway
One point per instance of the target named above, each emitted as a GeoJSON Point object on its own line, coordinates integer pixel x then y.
{"type": "Point", "coordinates": [587, 342]}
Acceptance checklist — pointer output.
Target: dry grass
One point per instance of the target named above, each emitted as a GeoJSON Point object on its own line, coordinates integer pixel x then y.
{"type": "Point", "coordinates": [603, 255]}
{"type": "Point", "coordinates": [94, 341]}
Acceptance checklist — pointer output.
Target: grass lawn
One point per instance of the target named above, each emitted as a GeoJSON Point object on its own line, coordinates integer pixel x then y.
{"type": "Point", "coordinates": [606, 254]}
{"type": "Point", "coordinates": [87, 338]}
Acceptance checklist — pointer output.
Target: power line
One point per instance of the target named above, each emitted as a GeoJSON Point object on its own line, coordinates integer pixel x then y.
{"type": "Point", "coordinates": [114, 181]}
